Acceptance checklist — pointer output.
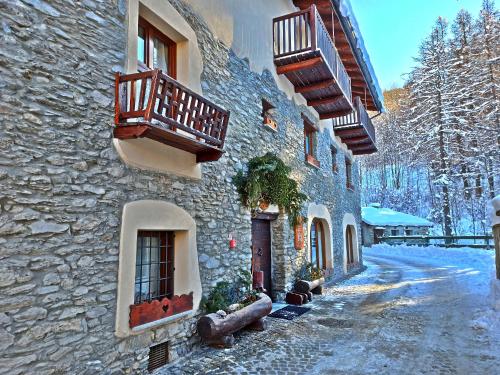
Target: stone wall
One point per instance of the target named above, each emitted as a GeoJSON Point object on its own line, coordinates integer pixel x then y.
{"type": "Point", "coordinates": [63, 186]}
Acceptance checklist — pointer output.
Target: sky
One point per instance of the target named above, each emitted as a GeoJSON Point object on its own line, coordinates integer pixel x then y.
{"type": "Point", "coordinates": [393, 30]}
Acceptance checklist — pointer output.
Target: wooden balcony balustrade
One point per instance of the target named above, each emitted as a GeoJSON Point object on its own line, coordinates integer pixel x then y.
{"type": "Point", "coordinates": [305, 53]}
{"type": "Point", "coordinates": [356, 130]}
{"type": "Point", "coordinates": [151, 104]}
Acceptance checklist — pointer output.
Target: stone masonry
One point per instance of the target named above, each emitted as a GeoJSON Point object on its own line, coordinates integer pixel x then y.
{"type": "Point", "coordinates": [63, 186]}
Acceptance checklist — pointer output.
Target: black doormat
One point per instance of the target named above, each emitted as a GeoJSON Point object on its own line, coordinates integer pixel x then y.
{"type": "Point", "coordinates": [289, 312]}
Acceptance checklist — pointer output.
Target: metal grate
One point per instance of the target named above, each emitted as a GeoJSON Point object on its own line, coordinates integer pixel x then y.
{"type": "Point", "coordinates": [154, 273]}
{"type": "Point", "coordinates": [158, 356]}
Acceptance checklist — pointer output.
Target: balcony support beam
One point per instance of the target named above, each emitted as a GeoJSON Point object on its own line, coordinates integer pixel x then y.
{"type": "Point", "coordinates": [307, 64]}
{"type": "Point", "coordinates": [330, 100]}
{"type": "Point", "coordinates": [354, 141]}
{"type": "Point", "coordinates": [325, 116]}
{"type": "Point", "coordinates": [315, 86]}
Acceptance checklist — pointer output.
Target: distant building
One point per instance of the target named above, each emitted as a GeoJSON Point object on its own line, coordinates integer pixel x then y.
{"type": "Point", "coordinates": [380, 222]}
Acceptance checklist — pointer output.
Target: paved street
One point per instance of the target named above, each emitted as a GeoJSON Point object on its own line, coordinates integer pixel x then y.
{"type": "Point", "coordinates": [422, 311]}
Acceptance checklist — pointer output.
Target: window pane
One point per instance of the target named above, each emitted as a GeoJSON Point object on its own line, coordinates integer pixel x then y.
{"type": "Point", "coordinates": [141, 46]}
{"type": "Point", "coordinates": [314, 250]}
{"type": "Point", "coordinates": [319, 235]}
{"type": "Point", "coordinates": [160, 55]}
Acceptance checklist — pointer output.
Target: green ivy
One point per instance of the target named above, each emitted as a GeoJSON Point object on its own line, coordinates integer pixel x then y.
{"type": "Point", "coordinates": [267, 180]}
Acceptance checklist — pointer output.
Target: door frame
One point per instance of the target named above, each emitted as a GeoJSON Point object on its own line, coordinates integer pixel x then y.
{"type": "Point", "coordinates": [266, 216]}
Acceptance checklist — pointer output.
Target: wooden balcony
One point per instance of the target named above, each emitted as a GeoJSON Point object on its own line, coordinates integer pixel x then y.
{"type": "Point", "coordinates": [356, 130]}
{"type": "Point", "coordinates": [305, 53]}
{"type": "Point", "coordinates": [153, 105]}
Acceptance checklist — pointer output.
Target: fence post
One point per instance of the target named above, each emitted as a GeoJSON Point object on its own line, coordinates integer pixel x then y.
{"type": "Point", "coordinates": [495, 222]}
{"type": "Point", "coordinates": [496, 236]}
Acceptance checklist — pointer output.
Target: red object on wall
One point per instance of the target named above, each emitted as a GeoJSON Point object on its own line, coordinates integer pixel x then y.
{"type": "Point", "coordinates": [299, 236]}
{"type": "Point", "coordinates": [147, 312]}
{"type": "Point", "coordinates": [232, 243]}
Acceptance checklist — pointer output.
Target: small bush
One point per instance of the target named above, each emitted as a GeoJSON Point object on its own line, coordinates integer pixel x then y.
{"type": "Point", "coordinates": [308, 272]}
{"type": "Point", "coordinates": [225, 294]}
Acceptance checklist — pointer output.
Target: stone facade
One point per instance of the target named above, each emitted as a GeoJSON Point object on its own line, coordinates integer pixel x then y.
{"type": "Point", "coordinates": [368, 234]}
{"type": "Point", "coordinates": [63, 185]}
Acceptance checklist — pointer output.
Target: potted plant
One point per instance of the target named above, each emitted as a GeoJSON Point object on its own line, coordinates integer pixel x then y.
{"type": "Point", "coordinates": [267, 181]}
{"type": "Point", "coordinates": [231, 307]}
{"type": "Point", "coordinates": [309, 278]}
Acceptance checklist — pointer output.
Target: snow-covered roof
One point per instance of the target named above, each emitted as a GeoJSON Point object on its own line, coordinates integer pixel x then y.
{"type": "Point", "coordinates": [387, 217]}
{"type": "Point", "coordinates": [347, 13]}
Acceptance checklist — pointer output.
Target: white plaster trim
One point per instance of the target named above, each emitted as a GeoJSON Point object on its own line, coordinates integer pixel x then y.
{"type": "Point", "coordinates": [156, 215]}
{"type": "Point", "coordinates": [350, 220]}
{"type": "Point", "coordinates": [144, 153]}
{"type": "Point", "coordinates": [160, 322]}
{"type": "Point", "coordinates": [321, 212]}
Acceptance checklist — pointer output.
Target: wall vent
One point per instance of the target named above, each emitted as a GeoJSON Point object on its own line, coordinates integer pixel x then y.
{"type": "Point", "coordinates": [158, 356]}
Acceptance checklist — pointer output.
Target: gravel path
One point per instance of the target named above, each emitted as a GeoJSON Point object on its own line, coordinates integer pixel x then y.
{"type": "Point", "coordinates": [412, 312]}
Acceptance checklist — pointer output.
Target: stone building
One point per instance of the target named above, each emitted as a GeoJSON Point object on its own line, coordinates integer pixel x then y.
{"type": "Point", "coordinates": [91, 186]}
{"type": "Point", "coordinates": [378, 222]}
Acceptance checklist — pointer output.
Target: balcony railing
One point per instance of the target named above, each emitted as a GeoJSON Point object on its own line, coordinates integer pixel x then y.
{"type": "Point", "coordinates": [153, 105]}
{"type": "Point", "coordinates": [302, 38]}
{"type": "Point", "coordinates": [356, 129]}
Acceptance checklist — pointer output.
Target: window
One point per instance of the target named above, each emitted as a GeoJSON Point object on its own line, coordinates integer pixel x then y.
{"type": "Point", "coordinates": [154, 266]}
{"type": "Point", "coordinates": [349, 244]}
{"type": "Point", "coordinates": [408, 232]}
{"type": "Point", "coordinates": [348, 174]}
{"type": "Point", "coordinates": [318, 257]}
{"type": "Point", "coordinates": [310, 142]}
{"type": "Point", "coordinates": [155, 50]}
{"type": "Point", "coordinates": [335, 167]}
{"type": "Point", "coordinates": [268, 112]}
{"type": "Point", "coordinates": [394, 232]}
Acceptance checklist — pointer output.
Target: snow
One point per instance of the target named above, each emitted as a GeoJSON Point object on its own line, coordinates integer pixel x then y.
{"type": "Point", "coordinates": [347, 12]}
{"type": "Point", "coordinates": [494, 208]}
{"type": "Point", "coordinates": [385, 216]}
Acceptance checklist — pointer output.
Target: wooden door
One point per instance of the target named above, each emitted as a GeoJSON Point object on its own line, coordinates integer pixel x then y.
{"type": "Point", "coordinates": [261, 250]}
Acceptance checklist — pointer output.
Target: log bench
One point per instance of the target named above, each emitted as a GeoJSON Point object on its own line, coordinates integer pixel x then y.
{"type": "Point", "coordinates": [304, 286]}
{"type": "Point", "coordinates": [218, 331]}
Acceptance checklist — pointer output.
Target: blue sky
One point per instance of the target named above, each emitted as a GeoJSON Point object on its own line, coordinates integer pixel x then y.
{"type": "Point", "coordinates": [393, 29]}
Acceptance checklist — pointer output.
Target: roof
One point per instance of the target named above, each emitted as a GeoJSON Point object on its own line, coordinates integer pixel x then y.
{"type": "Point", "coordinates": [353, 33]}
{"type": "Point", "coordinates": [387, 217]}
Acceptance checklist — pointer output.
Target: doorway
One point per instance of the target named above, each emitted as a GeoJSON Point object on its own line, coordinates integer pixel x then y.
{"type": "Point", "coordinates": [261, 251]}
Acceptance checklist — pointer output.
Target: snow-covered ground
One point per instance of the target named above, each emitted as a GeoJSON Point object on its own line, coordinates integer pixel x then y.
{"type": "Point", "coordinates": [415, 310]}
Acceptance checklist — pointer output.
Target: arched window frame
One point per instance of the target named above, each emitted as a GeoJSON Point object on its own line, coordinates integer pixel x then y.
{"type": "Point", "coordinates": [317, 244]}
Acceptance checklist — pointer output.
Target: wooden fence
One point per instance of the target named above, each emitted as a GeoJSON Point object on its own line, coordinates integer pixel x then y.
{"type": "Point", "coordinates": [448, 241]}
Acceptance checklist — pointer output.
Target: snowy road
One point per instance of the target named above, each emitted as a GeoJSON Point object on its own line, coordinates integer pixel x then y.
{"type": "Point", "coordinates": [413, 311]}
{"type": "Point", "coordinates": [419, 311]}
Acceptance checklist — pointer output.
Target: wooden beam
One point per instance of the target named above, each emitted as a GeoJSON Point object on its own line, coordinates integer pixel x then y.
{"type": "Point", "coordinates": [315, 86]}
{"type": "Point", "coordinates": [361, 140]}
{"type": "Point", "coordinates": [324, 116]}
{"type": "Point", "coordinates": [330, 100]}
{"type": "Point", "coordinates": [349, 132]}
{"type": "Point", "coordinates": [307, 64]}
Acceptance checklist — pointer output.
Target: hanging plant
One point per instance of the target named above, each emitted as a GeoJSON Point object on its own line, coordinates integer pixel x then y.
{"type": "Point", "coordinates": [267, 182]}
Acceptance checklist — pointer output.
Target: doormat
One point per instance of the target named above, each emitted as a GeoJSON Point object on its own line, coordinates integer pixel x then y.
{"type": "Point", "coordinates": [289, 312]}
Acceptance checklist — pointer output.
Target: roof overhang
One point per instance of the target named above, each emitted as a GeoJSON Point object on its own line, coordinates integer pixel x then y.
{"type": "Point", "coordinates": [349, 46]}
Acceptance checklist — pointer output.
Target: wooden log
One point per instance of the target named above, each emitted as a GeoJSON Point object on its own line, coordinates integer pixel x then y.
{"type": "Point", "coordinates": [220, 342]}
{"type": "Point", "coordinates": [317, 290]}
{"type": "Point", "coordinates": [212, 326]}
{"type": "Point", "coordinates": [294, 298]}
{"type": "Point", "coordinates": [258, 325]}
{"type": "Point", "coordinates": [305, 297]}
{"type": "Point", "coordinates": [304, 286]}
